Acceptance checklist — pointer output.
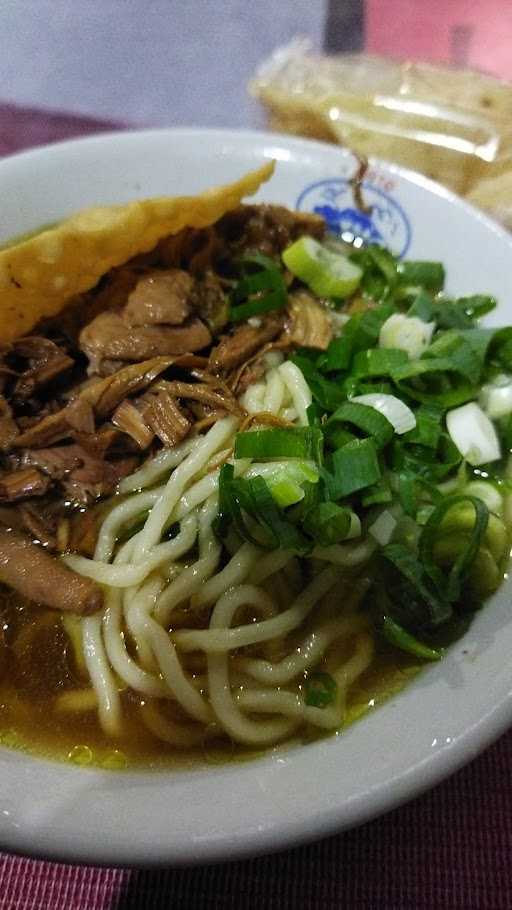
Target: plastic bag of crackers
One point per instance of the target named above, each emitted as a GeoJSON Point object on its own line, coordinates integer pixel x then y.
{"type": "Point", "coordinates": [452, 125]}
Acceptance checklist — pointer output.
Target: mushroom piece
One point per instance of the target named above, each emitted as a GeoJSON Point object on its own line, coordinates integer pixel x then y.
{"type": "Point", "coordinates": [43, 579]}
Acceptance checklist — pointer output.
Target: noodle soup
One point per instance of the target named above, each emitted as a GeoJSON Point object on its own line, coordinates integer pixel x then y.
{"type": "Point", "coordinates": [252, 480]}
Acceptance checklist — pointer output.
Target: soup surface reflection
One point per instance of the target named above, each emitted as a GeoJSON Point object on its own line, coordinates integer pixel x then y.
{"type": "Point", "coordinates": [40, 680]}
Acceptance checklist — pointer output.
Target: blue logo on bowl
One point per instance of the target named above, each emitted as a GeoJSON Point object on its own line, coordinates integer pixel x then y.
{"type": "Point", "coordinates": [386, 223]}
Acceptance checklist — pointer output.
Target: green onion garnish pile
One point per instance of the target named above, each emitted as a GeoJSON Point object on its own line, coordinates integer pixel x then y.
{"type": "Point", "coordinates": [410, 427]}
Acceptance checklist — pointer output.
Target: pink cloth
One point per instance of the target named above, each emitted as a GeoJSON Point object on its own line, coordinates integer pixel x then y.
{"type": "Point", "coordinates": [459, 31]}
{"type": "Point", "coordinates": [449, 850]}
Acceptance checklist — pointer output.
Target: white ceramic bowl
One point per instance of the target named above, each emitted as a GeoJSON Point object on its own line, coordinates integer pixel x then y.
{"type": "Point", "coordinates": [451, 712]}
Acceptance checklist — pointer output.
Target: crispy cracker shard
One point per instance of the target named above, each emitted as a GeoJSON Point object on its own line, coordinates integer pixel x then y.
{"type": "Point", "coordinates": [39, 275]}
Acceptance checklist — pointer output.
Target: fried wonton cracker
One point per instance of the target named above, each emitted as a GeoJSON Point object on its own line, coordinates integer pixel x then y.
{"type": "Point", "coordinates": [39, 275]}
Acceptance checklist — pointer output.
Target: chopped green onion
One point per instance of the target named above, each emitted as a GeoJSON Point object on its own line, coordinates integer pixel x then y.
{"type": "Point", "coordinates": [406, 333]}
{"type": "Point", "coordinates": [430, 275]}
{"type": "Point", "coordinates": [285, 492]}
{"type": "Point", "coordinates": [433, 380]}
{"type": "Point", "coordinates": [477, 305]}
{"type": "Point", "coordinates": [474, 434]}
{"type": "Point", "coordinates": [366, 326]}
{"type": "Point", "coordinates": [379, 362]}
{"type": "Point", "coordinates": [423, 307]}
{"type": "Point", "coordinates": [378, 494]}
{"type": "Point", "coordinates": [240, 500]}
{"type": "Point", "coordinates": [384, 261]}
{"type": "Point", "coordinates": [488, 493]}
{"type": "Point", "coordinates": [466, 557]}
{"type": "Point", "coordinates": [379, 271]}
{"type": "Point", "coordinates": [496, 396]}
{"type": "Point", "coordinates": [281, 532]}
{"type": "Point", "coordinates": [297, 469]}
{"type": "Point", "coordinates": [327, 273]}
{"type": "Point", "coordinates": [354, 467]}
{"type": "Point", "coordinates": [272, 301]}
{"type": "Point", "coordinates": [286, 480]}
{"type": "Point", "coordinates": [447, 314]}
{"type": "Point", "coordinates": [387, 397]}
{"type": "Point", "coordinates": [280, 442]}
{"type": "Point", "coordinates": [383, 528]}
{"type": "Point", "coordinates": [422, 592]}
{"type": "Point", "coordinates": [257, 259]}
{"type": "Point", "coordinates": [400, 638]}
{"type": "Point", "coordinates": [263, 290]}
{"type": "Point", "coordinates": [461, 520]}
{"type": "Point", "coordinates": [365, 418]}
{"type": "Point", "coordinates": [392, 408]}
{"type": "Point", "coordinates": [314, 414]}
{"type": "Point", "coordinates": [359, 333]}
{"type": "Point", "coordinates": [408, 493]}
{"type": "Point", "coordinates": [327, 394]}
{"type": "Point", "coordinates": [428, 427]}
{"type": "Point", "coordinates": [337, 436]}
{"type": "Point", "coordinates": [415, 369]}
{"type": "Point", "coordinates": [483, 341]}
{"type": "Point", "coordinates": [423, 514]}
{"type": "Point", "coordinates": [327, 523]}
{"type": "Point", "coordinates": [425, 463]}
{"type": "Point", "coordinates": [338, 354]}
{"type": "Point", "coordinates": [224, 517]}
{"type": "Point", "coordinates": [373, 387]}
{"type": "Point", "coordinates": [320, 690]}
{"type": "Point", "coordinates": [465, 351]}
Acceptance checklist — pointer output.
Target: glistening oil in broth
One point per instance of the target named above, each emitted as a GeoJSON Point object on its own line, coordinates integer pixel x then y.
{"type": "Point", "coordinates": [38, 669]}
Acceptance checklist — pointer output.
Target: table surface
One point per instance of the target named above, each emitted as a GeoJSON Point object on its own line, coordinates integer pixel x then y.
{"type": "Point", "coordinates": [450, 848]}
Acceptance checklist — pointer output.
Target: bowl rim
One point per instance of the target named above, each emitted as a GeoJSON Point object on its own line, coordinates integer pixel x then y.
{"type": "Point", "coordinates": [365, 805]}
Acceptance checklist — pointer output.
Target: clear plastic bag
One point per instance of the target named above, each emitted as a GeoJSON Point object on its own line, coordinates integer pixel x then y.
{"type": "Point", "coordinates": [453, 125]}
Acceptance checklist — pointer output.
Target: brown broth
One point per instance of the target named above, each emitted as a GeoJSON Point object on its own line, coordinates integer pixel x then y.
{"type": "Point", "coordinates": [37, 665]}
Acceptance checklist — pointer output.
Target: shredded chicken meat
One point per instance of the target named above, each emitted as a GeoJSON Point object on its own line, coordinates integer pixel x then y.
{"type": "Point", "coordinates": [238, 346]}
{"type": "Point", "coordinates": [22, 484]}
{"type": "Point", "coordinates": [308, 324]}
{"type": "Point", "coordinates": [141, 361]}
{"type": "Point", "coordinates": [160, 298]}
{"type": "Point", "coordinates": [45, 361]}
{"type": "Point", "coordinates": [110, 337]}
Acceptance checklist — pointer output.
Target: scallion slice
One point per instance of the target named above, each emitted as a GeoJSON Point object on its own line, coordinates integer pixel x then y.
{"type": "Point", "coordinates": [383, 528]}
{"type": "Point", "coordinates": [328, 523]}
{"type": "Point", "coordinates": [425, 274]}
{"type": "Point", "coordinates": [406, 333]}
{"type": "Point", "coordinates": [396, 412]}
{"type": "Point", "coordinates": [466, 557]}
{"type": "Point", "coordinates": [426, 591]}
{"type": "Point", "coordinates": [354, 467]}
{"type": "Point", "coordinates": [496, 397]}
{"type": "Point", "coordinates": [474, 434]}
{"type": "Point", "coordinates": [400, 638]}
{"type": "Point", "coordinates": [327, 273]}
{"type": "Point", "coordinates": [364, 417]}
{"type": "Point", "coordinates": [260, 291]}
{"type": "Point", "coordinates": [280, 442]}
{"type": "Point", "coordinates": [428, 426]}
{"type": "Point", "coordinates": [286, 480]}
{"type": "Point", "coordinates": [379, 362]}
{"type": "Point", "coordinates": [320, 690]}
